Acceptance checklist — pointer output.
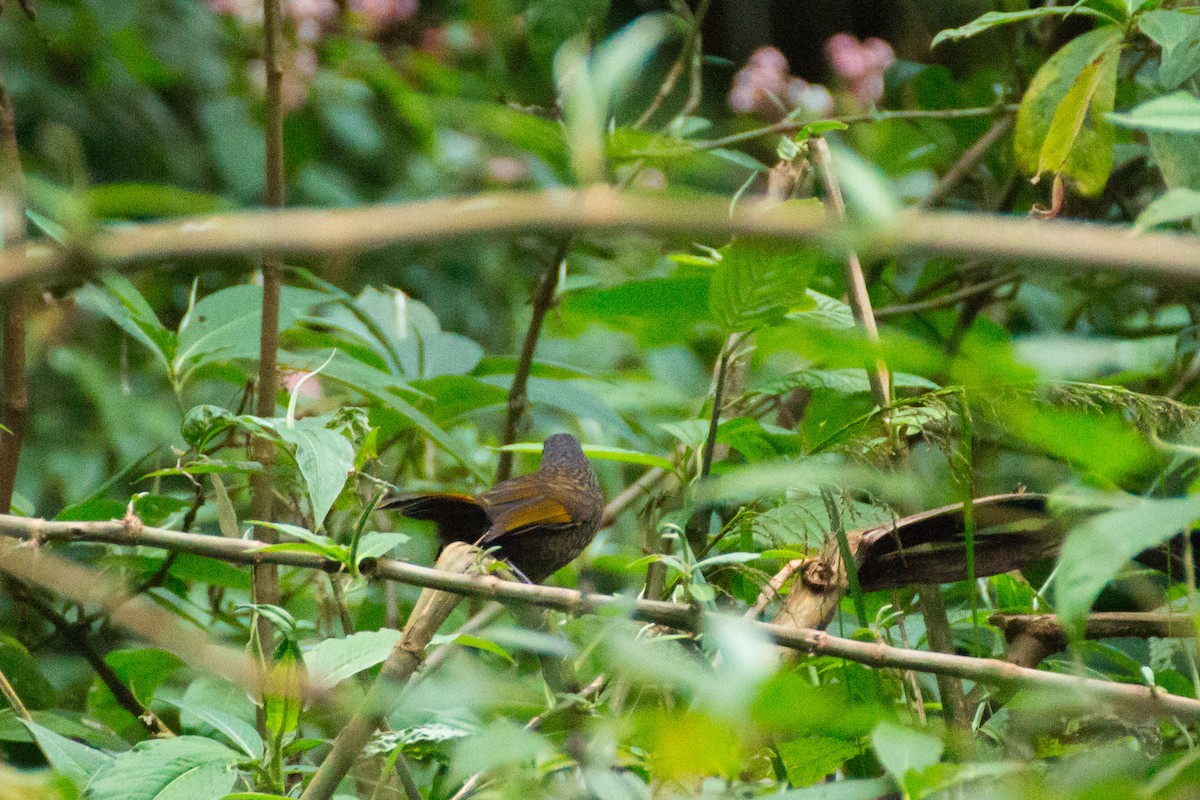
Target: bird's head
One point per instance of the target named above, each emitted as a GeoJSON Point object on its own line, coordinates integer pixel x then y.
{"type": "Point", "coordinates": [562, 450]}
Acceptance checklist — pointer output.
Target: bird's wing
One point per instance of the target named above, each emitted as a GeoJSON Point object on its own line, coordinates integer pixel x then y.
{"type": "Point", "coordinates": [520, 504]}
{"type": "Point", "coordinates": [459, 517]}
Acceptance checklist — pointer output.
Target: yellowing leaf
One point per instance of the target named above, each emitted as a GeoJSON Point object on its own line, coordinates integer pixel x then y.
{"type": "Point", "coordinates": [1087, 155]}
{"type": "Point", "coordinates": [1084, 153]}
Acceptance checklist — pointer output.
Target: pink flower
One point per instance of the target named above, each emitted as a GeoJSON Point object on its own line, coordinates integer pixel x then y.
{"type": "Point", "coordinates": [764, 77]}
{"type": "Point", "coordinates": [860, 65]}
{"type": "Point", "coordinates": [765, 87]}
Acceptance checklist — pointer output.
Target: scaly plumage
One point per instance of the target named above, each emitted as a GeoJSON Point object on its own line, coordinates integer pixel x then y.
{"type": "Point", "coordinates": [539, 522]}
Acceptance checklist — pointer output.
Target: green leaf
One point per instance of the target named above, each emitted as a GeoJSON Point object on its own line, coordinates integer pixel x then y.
{"type": "Point", "coordinates": [140, 200]}
{"type": "Point", "coordinates": [852, 789]}
{"type": "Point", "coordinates": [1074, 86]}
{"type": "Point", "coordinates": [325, 458]}
{"type": "Point", "coordinates": [181, 768]}
{"type": "Point", "coordinates": [332, 661]}
{"type": "Point", "coordinates": [241, 734]}
{"type": "Point", "coordinates": [143, 670]}
{"type": "Point", "coordinates": [24, 673]}
{"type": "Point", "coordinates": [656, 311]}
{"type": "Point", "coordinates": [1072, 149]}
{"type": "Point", "coordinates": [756, 283]}
{"type": "Point", "coordinates": [225, 325]}
{"type": "Point", "coordinates": [1178, 34]}
{"type": "Point", "coordinates": [121, 302]}
{"type": "Point", "coordinates": [1049, 88]}
{"type": "Point", "coordinates": [1095, 551]}
{"type": "Point", "coordinates": [377, 544]}
{"type": "Point", "coordinates": [283, 690]}
{"type": "Point", "coordinates": [316, 543]}
{"type": "Point", "coordinates": [809, 759]}
{"type": "Point", "coordinates": [1176, 205]}
{"type": "Point", "coordinates": [902, 750]}
{"type": "Point", "coordinates": [479, 643]}
{"type": "Point", "coordinates": [1178, 112]}
{"type": "Point", "coordinates": [994, 18]}
{"type": "Point", "coordinates": [758, 441]}
{"type": "Point", "coordinates": [406, 334]}
{"type": "Point", "coordinates": [77, 761]}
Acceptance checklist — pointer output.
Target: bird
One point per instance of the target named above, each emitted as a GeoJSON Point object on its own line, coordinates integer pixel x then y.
{"type": "Point", "coordinates": [538, 522]}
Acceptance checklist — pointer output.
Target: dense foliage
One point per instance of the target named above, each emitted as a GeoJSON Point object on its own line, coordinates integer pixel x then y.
{"type": "Point", "coordinates": [727, 378]}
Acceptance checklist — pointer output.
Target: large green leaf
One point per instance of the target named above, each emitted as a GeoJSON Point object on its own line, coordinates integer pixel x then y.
{"type": "Point", "coordinates": [1178, 112]}
{"type": "Point", "coordinates": [993, 19]}
{"type": "Point", "coordinates": [903, 750]}
{"type": "Point", "coordinates": [810, 759]}
{"type": "Point", "coordinates": [181, 768]}
{"type": "Point", "coordinates": [1096, 550]}
{"type": "Point", "coordinates": [1061, 125]}
{"type": "Point", "coordinates": [225, 325]}
{"type": "Point", "coordinates": [756, 283]}
{"type": "Point", "coordinates": [325, 458]}
{"type": "Point", "coordinates": [77, 761]}
{"type": "Point", "coordinates": [1176, 205]}
{"type": "Point", "coordinates": [656, 311]}
{"type": "Point", "coordinates": [331, 661]}
{"type": "Point", "coordinates": [1178, 34]}
{"type": "Point", "coordinates": [239, 732]}
{"type": "Point", "coordinates": [121, 302]}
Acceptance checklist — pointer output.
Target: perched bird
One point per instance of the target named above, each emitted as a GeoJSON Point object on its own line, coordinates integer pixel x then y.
{"type": "Point", "coordinates": [539, 522]}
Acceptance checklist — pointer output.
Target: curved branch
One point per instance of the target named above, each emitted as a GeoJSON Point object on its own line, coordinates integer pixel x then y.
{"type": "Point", "coordinates": [301, 231]}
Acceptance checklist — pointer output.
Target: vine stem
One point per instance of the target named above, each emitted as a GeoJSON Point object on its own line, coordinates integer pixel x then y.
{"type": "Point", "coordinates": [266, 576]}
{"type": "Point", "coordinates": [967, 162]}
{"type": "Point", "coordinates": [791, 125]}
{"type": "Point", "coordinates": [15, 412]}
{"type": "Point", "coordinates": [543, 299]}
{"type": "Point", "coordinates": [856, 282]}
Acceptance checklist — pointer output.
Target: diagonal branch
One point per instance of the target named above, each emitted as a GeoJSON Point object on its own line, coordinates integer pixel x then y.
{"type": "Point", "coordinates": [517, 399]}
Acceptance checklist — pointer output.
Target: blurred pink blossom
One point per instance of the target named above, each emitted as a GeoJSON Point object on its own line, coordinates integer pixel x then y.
{"type": "Point", "coordinates": [765, 87]}
{"type": "Point", "coordinates": [310, 388]}
{"type": "Point", "coordinates": [860, 65]}
{"type": "Point", "coordinates": [506, 169]}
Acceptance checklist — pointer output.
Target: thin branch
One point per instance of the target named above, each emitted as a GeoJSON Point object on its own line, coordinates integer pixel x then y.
{"type": "Point", "coordinates": [938, 633]}
{"type": "Point", "coordinates": [967, 162]}
{"type": "Point", "coordinates": [77, 636]}
{"type": "Point", "coordinates": [84, 586]}
{"type": "Point", "coordinates": [14, 699]}
{"type": "Point", "coordinates": [517, 399]}
{"type": "Point", "coordinates": [856, 284]}
{"type": "Point", "coordinates": [266, 576]}
{"type": "Point", "coordinates": [714, 420]}
{"type": "Point", "coordinates": [792, 125]}
{"type": "Point", "coordinates": [1076, 245]}
{"type": "Point", "coordinates": [691, 49]}
{"type": "Point", "coordinates": [1101, 625]}
{"type": "Point", "coordinates": [945, 300]}
{"type": "Point", "coordinates": [15, 411]}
